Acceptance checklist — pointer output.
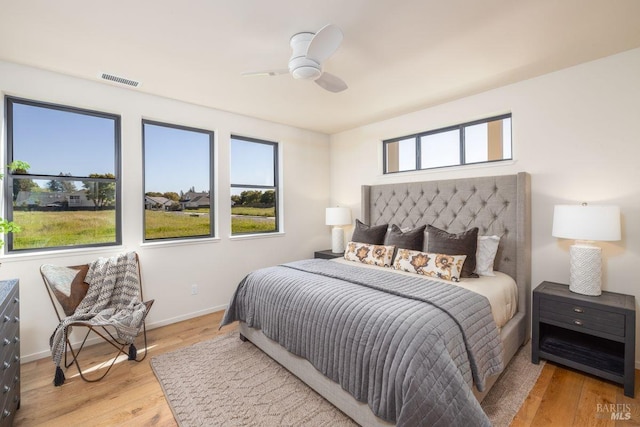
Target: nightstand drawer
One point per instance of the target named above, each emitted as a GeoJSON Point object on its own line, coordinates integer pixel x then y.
{"type": "Point", "coordinates": [581, 316]}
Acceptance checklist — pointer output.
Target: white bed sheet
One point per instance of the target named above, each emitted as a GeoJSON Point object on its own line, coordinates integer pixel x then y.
{"type": "Point", "coordinates": [501, 290]}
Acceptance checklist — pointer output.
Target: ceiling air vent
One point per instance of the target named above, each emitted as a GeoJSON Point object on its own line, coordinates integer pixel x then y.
{"type": "Point", "coordinates": [117, 79]}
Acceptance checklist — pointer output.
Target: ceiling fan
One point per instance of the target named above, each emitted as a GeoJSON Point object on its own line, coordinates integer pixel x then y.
{"type": "Point", "coordinates": [309, 51]}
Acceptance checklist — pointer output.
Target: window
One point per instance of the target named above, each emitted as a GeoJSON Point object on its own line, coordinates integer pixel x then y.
{"type": "Point", "coordinates": [254, 186]}
{"type": "Point", "coordinates": [440, 149]}
{"type": "Point", "coordinates": [178, 178]}
{"type": "Point", "coordinates": [69, 195]}
{"type": "Point", "coordinates": [482, 141]}
{"type": "Point", "coordinates": [402, 154]}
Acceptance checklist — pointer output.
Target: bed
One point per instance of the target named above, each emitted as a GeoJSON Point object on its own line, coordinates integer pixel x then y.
{"type": "Point", "coordinates": [498, 205]}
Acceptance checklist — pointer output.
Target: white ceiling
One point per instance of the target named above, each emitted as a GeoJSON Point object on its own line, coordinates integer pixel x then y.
{"type": "Point", "coordinates": [397, 56]}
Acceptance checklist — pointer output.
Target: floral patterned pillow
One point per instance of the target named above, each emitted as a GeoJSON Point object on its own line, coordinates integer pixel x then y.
{"type": "Point", "coordinates": [369, 254]}
{"type": "Point", "coordinates": [442, 266]}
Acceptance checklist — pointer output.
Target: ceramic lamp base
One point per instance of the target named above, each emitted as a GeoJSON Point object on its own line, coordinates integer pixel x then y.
{"type": "Point", "coordinates": [585, 270]}
{"type": "Point", "coordinates": [337, 240]}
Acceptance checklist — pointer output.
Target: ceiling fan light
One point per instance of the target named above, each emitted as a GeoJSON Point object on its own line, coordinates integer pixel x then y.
{"type": "Point", "coordinates": [306, 73]}
{"type": "Point", "coordinates": [302, 66]}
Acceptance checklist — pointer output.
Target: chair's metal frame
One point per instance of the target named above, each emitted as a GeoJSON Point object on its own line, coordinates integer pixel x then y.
{"type": "Point", "coordinates": [101, 331]}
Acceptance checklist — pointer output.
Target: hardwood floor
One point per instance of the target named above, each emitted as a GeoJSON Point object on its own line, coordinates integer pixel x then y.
{"type": "Point", "coordinates": [128, 395]}
{"type": "Point", "coordinates": [131, 395]}
{"type": "Point", "coordinates": [564, 397]}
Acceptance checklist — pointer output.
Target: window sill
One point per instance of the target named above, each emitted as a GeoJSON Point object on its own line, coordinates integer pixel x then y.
{"type": "Point", "coordinates": [257, 236]}
{"type": "Point", "coordinates": [99, 251]}
{"type": "Point", "coordinates": [178, 242]}
{"type": "Point", "coordinates": [448, 169]}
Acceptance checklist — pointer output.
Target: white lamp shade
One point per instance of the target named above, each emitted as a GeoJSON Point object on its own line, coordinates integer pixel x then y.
{"type": "Point", "coordinates": [338, 216]}
{"type": "Point", "coordinates": [586, 222]}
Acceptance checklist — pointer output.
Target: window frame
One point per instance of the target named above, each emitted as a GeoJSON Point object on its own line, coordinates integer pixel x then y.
{"type": "Point", "coordinates": [418, 146]}
{"type": "Point", "coordinates": [9, 177]}
{"type": "Point", "coordinates": [275, 187]}
{"type": "Point", "coordinates": [212, 193]}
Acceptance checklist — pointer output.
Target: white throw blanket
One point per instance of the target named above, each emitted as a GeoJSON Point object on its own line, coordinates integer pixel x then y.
{"type": "Point", "coordinates": [113, 299]}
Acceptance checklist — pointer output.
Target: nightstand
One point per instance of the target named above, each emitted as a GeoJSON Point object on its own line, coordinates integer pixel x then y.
{"type": "Point", "coordinates": [327, 254]}
{"type": "Point", "coordinates": [595, 335]}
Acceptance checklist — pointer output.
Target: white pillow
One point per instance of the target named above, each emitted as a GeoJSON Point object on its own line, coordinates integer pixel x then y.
{"type": "Point", "coordinates": [486, 254]}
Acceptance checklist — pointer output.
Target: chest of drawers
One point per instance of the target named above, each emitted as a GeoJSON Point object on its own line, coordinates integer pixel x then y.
{"type": "Point", "coordinates": [9, 351]}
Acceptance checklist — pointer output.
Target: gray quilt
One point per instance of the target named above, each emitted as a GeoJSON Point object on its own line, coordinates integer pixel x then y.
{"type": "Point", "coordinates": [410, 348]}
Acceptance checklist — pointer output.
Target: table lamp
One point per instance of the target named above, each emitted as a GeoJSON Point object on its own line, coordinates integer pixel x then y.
{"type": "Point", "coordinates": [337, 217]}
{"type": "Point", "coordinates": [585, 224]}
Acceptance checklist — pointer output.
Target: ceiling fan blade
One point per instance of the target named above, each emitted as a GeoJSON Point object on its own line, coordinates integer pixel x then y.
{"type": "Point", "coordinates": [265, 72]}
{"type": "Point", "coordinates": [331, 83]}
{"type": "Point", "coordinates": [324, 43]}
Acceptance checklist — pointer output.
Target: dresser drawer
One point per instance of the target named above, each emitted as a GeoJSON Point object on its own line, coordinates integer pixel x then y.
{"type": "Point", "coordinates": [581, 316]}
{"type": "Point", "coordinates": [9, 351]}
{"type": "Point", "coordinates": [10, 375]}
{"type": "Point", "coordinates": [9, 310]}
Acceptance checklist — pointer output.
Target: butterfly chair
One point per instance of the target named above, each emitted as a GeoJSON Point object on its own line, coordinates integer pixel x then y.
{"type": "Point", "coordinates": [67, 288]}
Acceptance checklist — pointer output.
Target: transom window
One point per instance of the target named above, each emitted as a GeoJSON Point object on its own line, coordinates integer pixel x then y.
{"type": "Point", "coordinates": [254, 186]}
{"type": "Point", "coordinates": [178, 178]}
{"type": "Point", "coordinates": [67, 191]}
{"type": "Point", "coordinates": [481, 141]}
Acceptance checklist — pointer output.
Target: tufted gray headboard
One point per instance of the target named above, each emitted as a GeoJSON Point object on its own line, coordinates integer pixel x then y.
{"type": "Point", "coordinates": [497, 205]}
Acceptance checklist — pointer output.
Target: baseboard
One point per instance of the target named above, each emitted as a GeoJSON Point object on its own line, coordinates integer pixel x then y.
{"type": "Point", "coordinates": [96, 340]}
{"type": "Point", "coordinates": [184, 317]}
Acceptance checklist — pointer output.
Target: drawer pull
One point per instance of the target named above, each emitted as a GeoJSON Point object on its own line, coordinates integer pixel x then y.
{"type": "Point", "coordinates": [16, 300]}
{"type": "Point", "coordinates": [6, 389]}
{"type": "Point", "coordinates": [578, 310]}
{"type": "Point", "coordinates": [5, 413]}
{"type": "Point", "coordinates": [16, 319]}
{"type": "Point", "coordinates": [578, 322]}
{"type": "Point", "coordinates": [7, 319]}
{"type": "Point", "coordinates": [5, 341]}
{"type": "Point", "coordinates": [16, 339]}
{"type": "Point", "coordinates": [6, 365]}
{"type": "Point", "coordinates": [16, 358]}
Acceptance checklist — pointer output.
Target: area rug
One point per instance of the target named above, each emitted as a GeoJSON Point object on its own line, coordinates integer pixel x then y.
{"type": "Point", "coordinates": [505, 398]}
{"type": "Point", "coordinates": [227, 382]}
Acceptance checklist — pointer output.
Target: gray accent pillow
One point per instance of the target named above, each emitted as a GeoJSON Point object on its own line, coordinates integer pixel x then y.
{"type": "Point", "coordinates": [464, 243]}
{"type": "Point", "coordinates": [412, 239]}
{"type": "Point", "coordinates": [373, 235]}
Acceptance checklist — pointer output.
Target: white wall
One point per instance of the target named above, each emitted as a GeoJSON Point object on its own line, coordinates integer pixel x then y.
{"type": "Point", "coordinates": [168, 270]}
{"type": "Point", "coordinates": [576, 131]}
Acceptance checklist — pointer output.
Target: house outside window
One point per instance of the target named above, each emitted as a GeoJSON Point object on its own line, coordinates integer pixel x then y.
{"type": "Point", "coordinates": [69, 196]}
{"type": "Point", "coordinates": [481, 141]}
{"type": "Point", "coordinates": [178, 178]}
{"type": "Point", "coordinates": [254, 186]}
